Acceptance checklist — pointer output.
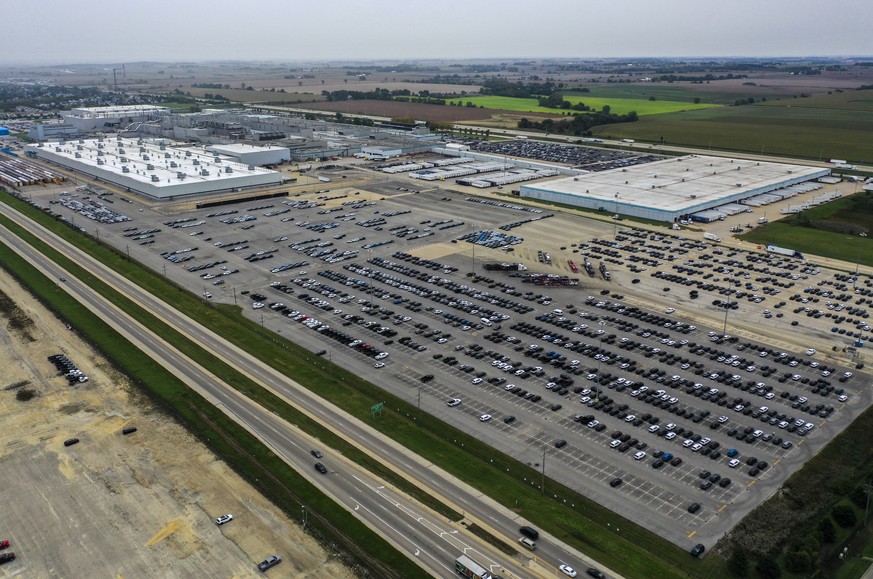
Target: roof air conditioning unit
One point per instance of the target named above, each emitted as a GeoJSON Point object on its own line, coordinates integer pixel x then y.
{"type": "Point", "coordinates": [228, 169]}
{"type": "Point", "coordinates": [196, 161]}
{"type": "Point", "coordinates": [78, 155]}
{"type": "Point", "coordinates": [150, 167]}
{"type": "Point", "coordinates": [187, 153]}
{"type": "Point", "coordinates": [155, 179]}
{"type": "Point", "coordinates": [204, 172]}
{"type": "Point", "coordinates": [125, 169]}
{"type": "Point", "coordinates": [180, 175]}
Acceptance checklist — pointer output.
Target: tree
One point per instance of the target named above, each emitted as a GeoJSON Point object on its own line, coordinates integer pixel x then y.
{"type": "Point", "coordinates": [651, 98]}
{"type": "Point", "coordinates": [738, 564]}
{"type": "Point", "coordinates": [826, 530]}
{"type": "Point", "coordinates": [768, 569]}
{"type": "Point", "coordinates": [696, 100]}
{"type": "Point", "coordinates": [797, 561]}
{"type": "Point", "coordinates": [844, 515]}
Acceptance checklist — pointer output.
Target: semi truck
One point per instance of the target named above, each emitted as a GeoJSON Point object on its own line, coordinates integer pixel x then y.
{"type": "Point", "coordinates": [784, 251]}
{"type": "Point", "coordinates": [469, 568]}
{"type": "Point", "coordinates": [711, 237]}
{"type": "Point", "coordinates": [847, 166]}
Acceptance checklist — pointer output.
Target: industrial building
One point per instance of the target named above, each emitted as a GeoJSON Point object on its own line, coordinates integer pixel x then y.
{"type": "Point", "coordinates": [670, 189]}
{"type": "Point", "coordinates": [111, 119]}
{"type": "Point", "coordinates": [159, 168]}
{"type": "Point", "coordinates": [252, 154]}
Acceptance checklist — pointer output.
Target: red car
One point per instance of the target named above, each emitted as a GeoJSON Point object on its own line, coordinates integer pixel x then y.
{"type": "Point", "coordinates": [3, 544]}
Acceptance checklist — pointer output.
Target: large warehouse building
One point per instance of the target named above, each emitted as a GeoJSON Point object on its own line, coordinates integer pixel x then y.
{"type": "Point", "coordinates": [670, 189]}
{"type": "Point", "coordinates": [159, 168]}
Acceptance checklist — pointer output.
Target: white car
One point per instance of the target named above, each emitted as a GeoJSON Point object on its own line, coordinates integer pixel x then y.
{"type": "Point", "coordinates": [843, 398]}
{"type": "Point", "coordinates": [477, 381]}
{"type": "Point", "coordinates": [687, 442]}
{"type": "Point", "coordinates": [615, 443]}
{"type": "Point", "coordinates": [453, 402]}
{"type": "Point", "coordinates": [810, 352]}
{"type": "Point", "coordinates": [722, 419]}
{"type": "Point", "coordinates": [379, 365]}
{"type": "Point", "coordinates": [630, 418]}
{"type": "Point", "coordinates": [567, 570]}
{"type": "Point", "coordinates": [670, 435]}
{"type": "Point", "coordinates": [381, 355]}
{"type": "Point", "coordinates": [640, 455]}
{"type": "Point", "coordinates": [224, 519]}
{"type": "Point", "coordinates": [485, 418]}
{"type": "Point", "coordinates": [670, 310]}
{"type": "Point", "coordinates": [734, 463]}
{"type": "Point", "coordinates": [257, 305]}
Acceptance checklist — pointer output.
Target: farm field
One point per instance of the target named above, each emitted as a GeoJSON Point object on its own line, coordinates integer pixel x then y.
{"type": "Point", "coordinates": [821, 127]}
{"type": "Point", "coordinates": [617, 105]}
{"type": "Point", "coordinates": [402, 109]}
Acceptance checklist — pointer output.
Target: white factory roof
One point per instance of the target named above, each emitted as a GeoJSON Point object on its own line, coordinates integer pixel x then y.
{"type": "Point", "coordinates": [678, 183]}
{"type": "Point", "coordinates": [115, 111]}
{"type": "Point", "coordinates": [143, 165]}
{"type": "Point", "coordinates": [242, 148]}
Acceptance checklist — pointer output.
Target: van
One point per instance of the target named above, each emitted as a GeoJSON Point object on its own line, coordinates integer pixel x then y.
{"type": "Point", "coordinates": [527, 543]}
{"type": "Point", "coordinates": [530, 533]}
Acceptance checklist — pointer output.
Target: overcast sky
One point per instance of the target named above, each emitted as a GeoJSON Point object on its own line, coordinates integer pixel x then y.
{"type": "Point", "coordinates": [102, 31]}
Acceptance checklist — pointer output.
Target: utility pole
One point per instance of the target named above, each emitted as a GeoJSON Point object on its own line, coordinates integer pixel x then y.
{"type": "Point", "coordinates": [868, 489]}
{"type": "Point", "coordinates": [543, 483]}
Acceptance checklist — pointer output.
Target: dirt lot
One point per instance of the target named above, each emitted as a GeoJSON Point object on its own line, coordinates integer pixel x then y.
{"type": "Point", "coordinates": [141, 505]}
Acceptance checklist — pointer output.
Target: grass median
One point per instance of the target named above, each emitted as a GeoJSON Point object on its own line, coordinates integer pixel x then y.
{"type": "Point", "coordinates": [633, 551]}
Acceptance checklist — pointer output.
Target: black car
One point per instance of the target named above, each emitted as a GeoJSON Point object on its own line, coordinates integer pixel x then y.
{"type": "Point", "coordinates": [71, 441]}
{"type": "Point", "coordinates": [560, 443]}
{"type": "Point", "coordinates": [596, 573]}
{"type": "Point", "coordinates": [530, 533]}
{"type": "Point", "coordinates": [6, 557]}
{"type": "Point", "coordinates": [509, 419]}
{"type": "Point", "coordinates": [697, 550]}
{"type": "Point", "coordinates": [128, 430]}
{"type": "Point", "coordinates": [270, 561]}
{"type": "Point", "coordinates": [693, 508]}
{"type": "Point", "coordinates": [320, 468]}
{"type": "Point", "coordinates": [615, 482]}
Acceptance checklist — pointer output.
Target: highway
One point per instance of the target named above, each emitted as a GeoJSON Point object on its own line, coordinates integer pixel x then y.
{"type": "Point", "coordinates": [431, 540]}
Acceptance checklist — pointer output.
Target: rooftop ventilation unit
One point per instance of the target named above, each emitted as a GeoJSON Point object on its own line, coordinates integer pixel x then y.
{"type": "Point", "coordinates": [228, 169]}
{"type": "Point", "coordinates": [180, 175]}
{"type": "Point", "coordinates": [99, 145]}
{"type": "Point", "coordinates": [173, 164]}
{"type": "Point", "coordinates": [121, 151]}
{"type": "Point", "coordinates": [155, 179]}
{"type": "Point", "coordinates": [124, 159]}
{"type": "Point", "coordinates": [79, 147]}
{"type": "Point", "coordinates": [150, 167]}
{"type": "Point", "coordinates": [125, 169]}
{"type": "Point", "coordinates": [216, 159]}
{"type": "Point", "coordinates": [251, 167]}
{"type": "Point", "coordinates": [81, 141]}
{"type": "Point", "coordinates": [196, 161]}
{"type": "Point", "coordinates": [163, 147]}
{"type": "Point", "coordinates": [101, 162]}
{"type": "Point", "coordinates": [204, 172]}
{"type": "Point", "coordinates": [99, 153]}
{"type": "Point", "coordinates": [57, 149]}
{"type": "Point", "coordinates": [139, 141]}
{"type": "Point", "coordinates": [78, 155]}
{"type": "Point", "coordinates": [187, 153]}
{"type": "Point", "coordinates": [167, 156]}
{"type": "Point", "coordinates": [146, 158]}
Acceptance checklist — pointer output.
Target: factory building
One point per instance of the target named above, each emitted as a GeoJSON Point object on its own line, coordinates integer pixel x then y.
{"type": "Point", "coordinates": [111, 119]}
{"type": "Point", "coordinates": [160, 169]}
{"type": "Point", "coordinates": [252, 154]}
{"type": "Point", "coordinates": [671, 189]}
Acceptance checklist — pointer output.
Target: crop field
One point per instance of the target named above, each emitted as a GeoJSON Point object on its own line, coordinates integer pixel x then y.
{"type": "Point", "coordinates": [722, 92]}
{"type": "Point", "coordinates": [617, 105]}
{"type": "Point", "coordinates": [831, 230]}
{"type": "Point", "coordinates": [821, 127]}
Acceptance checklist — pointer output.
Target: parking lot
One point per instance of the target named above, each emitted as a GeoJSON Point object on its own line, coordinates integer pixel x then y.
{"type": "Point", "coordinates": [685, 388]}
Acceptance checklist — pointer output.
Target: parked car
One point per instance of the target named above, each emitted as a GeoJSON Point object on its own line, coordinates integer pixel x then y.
{"type": "Point", "coordinates": [270, 561]}
{"type": "Point", "coordinates": [224, 519]}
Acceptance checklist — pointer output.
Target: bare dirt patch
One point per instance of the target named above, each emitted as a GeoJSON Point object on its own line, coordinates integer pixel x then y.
{"type": "Point", "coordinates": [141, 505]}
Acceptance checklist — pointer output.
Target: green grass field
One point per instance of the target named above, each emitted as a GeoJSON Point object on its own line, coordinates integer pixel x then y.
{"type": "Point", "coordinates": [821, 127]}
{"type": "Point", "coordinates": [682, 92]}
{"type": "Point", "coordinates": [617, 105]}
{"type": "Point", "coordinates": [830, 230]}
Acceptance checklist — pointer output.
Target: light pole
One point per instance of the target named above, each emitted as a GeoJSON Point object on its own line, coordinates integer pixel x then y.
{"type": "Point", "coordinates": [543, 482]}
{"type": "Point", "coordinates": [726, 308]}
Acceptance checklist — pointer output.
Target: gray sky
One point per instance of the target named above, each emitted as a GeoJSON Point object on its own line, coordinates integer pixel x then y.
{"type": "Point", "coordinates": [62, 31]}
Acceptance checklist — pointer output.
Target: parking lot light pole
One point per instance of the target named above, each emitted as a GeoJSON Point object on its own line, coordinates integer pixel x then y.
{"type": "Point", "coordinates": [726, 309]}
{"type": "Point", "coordinates": [543, 482]}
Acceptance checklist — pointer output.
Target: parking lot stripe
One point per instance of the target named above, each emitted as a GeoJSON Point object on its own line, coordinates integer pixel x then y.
{"type": "Point", "coordinates": [751, 484]}
{"type": "Point", "coordinates": [723, 507]}
{"type": "Point", "coordinates": [691, 534]}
